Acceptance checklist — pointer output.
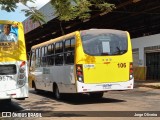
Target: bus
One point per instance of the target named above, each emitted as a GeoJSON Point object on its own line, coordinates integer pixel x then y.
{"type": "Point", "coordinates": [88, 61]}
{"type": "Point", "coordinates": [13, 61]}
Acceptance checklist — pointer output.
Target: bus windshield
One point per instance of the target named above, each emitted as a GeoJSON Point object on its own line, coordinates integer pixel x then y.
{"type": "Point", "coordinates": [104, 42]}
{"type": "Point", "coordinates": [8, 33]}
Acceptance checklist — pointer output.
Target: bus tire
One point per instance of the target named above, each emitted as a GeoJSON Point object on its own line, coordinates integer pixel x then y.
{"type": "Point", "coordinates": [34, 86]}
{"type": "Point", "coordinates": [96, 94]}
{"type": "Point", "coordinates": [56, 92]}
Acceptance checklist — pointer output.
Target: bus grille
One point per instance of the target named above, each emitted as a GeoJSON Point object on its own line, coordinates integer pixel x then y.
{"type": "Point", "coordinates": [7, 69]}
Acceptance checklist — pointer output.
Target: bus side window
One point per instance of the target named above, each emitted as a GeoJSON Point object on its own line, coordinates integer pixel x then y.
{"type": "Point", "coordinates": [38, 60]}
{"type": "Point", "coordinates": [32, 58]}
{"type": "Point", "coordinates": [50, 54]}
{"type": "Point", "coordinates": [59, 53]}
{"type": "Point", "coordinates": [44, 56]}
{"type": "Point", "coordinates": [69, 51]}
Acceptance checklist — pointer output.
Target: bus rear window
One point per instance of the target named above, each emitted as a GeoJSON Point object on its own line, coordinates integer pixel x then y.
{"type": "Point", "coordinates": [105, 42]}
{"type": "Point", "coordinates": [7, 69]}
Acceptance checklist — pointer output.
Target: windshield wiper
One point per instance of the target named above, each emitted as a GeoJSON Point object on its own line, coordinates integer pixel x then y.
{"type": "Point", "coordinates": [119, 51]}
{"type": "Point", "coordinates": [123, 51]}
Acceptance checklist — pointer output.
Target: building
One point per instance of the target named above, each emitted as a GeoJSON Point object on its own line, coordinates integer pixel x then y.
{"type": "Point", "coordinates": [140, 17]}
{"type": "Point", "coordinates": [146, 54]}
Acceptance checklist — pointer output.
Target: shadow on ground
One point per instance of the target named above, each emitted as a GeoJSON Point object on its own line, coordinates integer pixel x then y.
{"type": "Point", "coordinates": [78, 99]}
{"type": "Point", "coordinates": [6, 106]}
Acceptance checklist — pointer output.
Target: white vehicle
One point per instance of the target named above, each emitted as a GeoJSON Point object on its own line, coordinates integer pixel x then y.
{"type": "Point", "coordinates": [13, 62]}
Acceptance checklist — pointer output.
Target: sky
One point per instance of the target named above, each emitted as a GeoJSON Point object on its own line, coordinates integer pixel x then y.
{"type": "Point", "coordinates": [18, 15]}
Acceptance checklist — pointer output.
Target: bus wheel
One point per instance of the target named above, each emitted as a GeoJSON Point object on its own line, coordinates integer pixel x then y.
{"type": "Point", "coordinates": [34, 86]}
{"type": "Point", "coordinates": [96, 94]}
{"type": "Point", "coordinates": [56, 93]}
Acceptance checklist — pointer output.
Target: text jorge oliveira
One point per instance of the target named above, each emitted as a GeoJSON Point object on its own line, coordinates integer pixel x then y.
{"type": "Point", "coordinates": [145, 114]}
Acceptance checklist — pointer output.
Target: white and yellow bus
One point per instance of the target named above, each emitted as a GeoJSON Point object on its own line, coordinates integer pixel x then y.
{"type": "Point", "coordinates": [13, 61]}
{"type": "Point", "coordinates": [88, 61]}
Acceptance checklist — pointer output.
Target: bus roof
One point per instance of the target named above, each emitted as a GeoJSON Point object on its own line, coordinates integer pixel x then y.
{"type": "Point", "coordinates": [9, 22]}
{"type": "Point", "coordinates": [68, 36]}
{"type": "Point", "coordinates": [54, 40]}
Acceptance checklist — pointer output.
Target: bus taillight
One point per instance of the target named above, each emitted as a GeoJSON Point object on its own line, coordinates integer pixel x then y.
{"type": "Point", "coordinates": [131, 71]}
{"type": "Point", "coordinates": [79, 72]}
{"type": "Point", "coordinates": [22, 64]}
{"type": "Point", "coordinates": [21, 76]}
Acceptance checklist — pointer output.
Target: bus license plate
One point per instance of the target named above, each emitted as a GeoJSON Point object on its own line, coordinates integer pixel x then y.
{"type": "Point", "coordinates": [5, 78]}
{"type": "Point", "coordinates": [107, 86]}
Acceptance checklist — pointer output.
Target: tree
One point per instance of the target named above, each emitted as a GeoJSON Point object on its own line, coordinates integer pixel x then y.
{"type": "Point", "coordinates": [71, 9]}
{"type": "Point", "coordinates": [65, 10]}
{"type": "Point", "coordinates": [11, 5]}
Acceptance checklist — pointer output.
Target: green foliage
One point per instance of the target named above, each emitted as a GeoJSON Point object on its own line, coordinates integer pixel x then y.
{"type": "Point", "coordinates": [8, 5]}
{"type": "Point", "coordinates": [71, 9]}
{"type": "Point", "coordinates": [81, 9]}
{"type": "Point", "coordinates": [34, 14]}
{"type": "Point", "coordinates": [64, 9]}
{"type": "Point", "coordinates": [11, 5]}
